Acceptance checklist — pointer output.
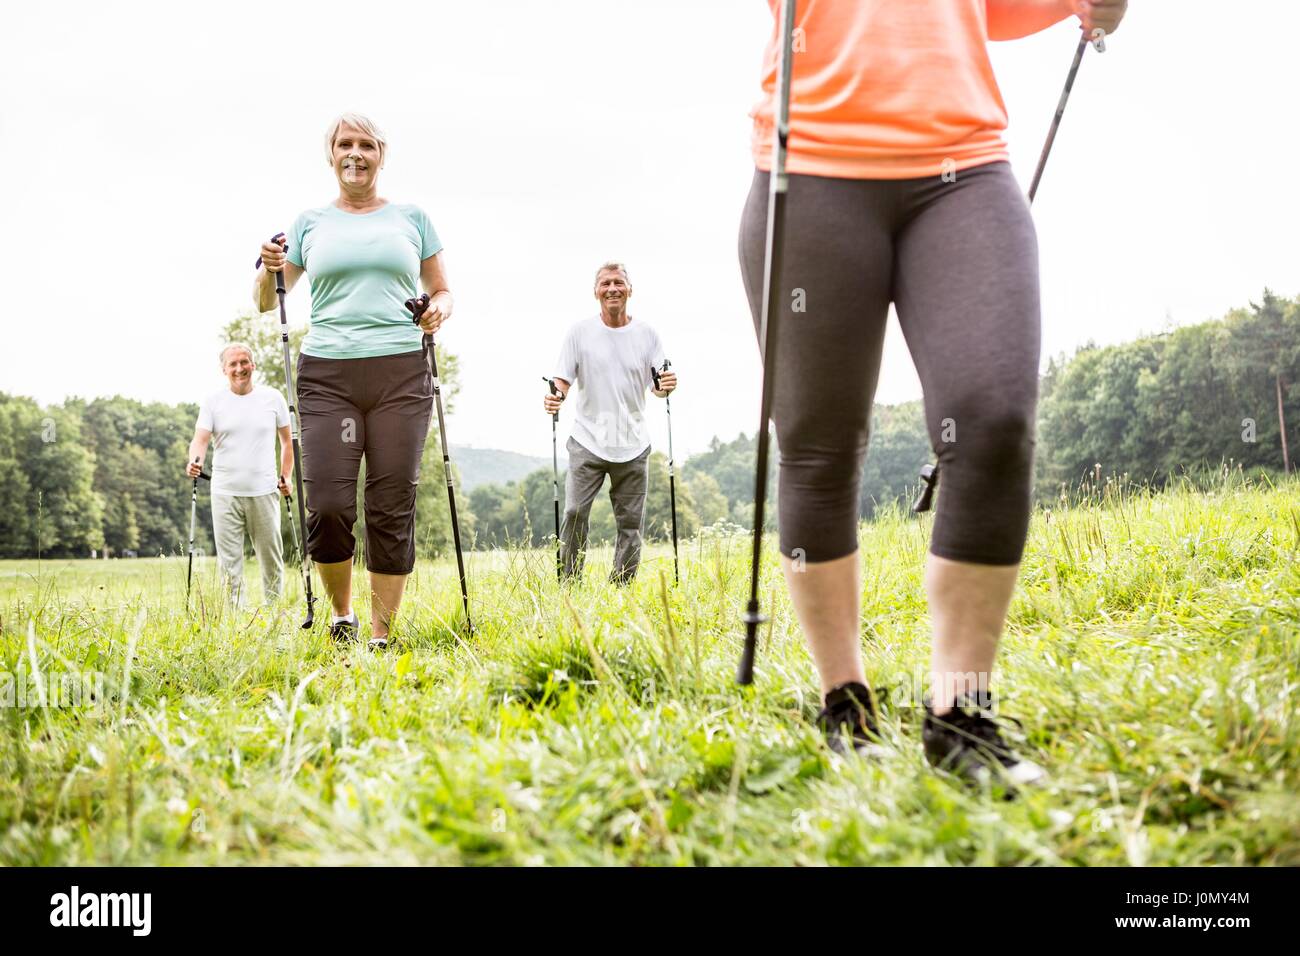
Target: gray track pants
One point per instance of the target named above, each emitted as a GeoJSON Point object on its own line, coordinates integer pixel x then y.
{"type": "Point", "coordinates": [259, 516]}
{"type": "Point", "coordinates": [627, 488]}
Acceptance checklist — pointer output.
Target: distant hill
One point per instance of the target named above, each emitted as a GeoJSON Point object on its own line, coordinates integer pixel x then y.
{"type": "Point", "coordinates": [484, 466]}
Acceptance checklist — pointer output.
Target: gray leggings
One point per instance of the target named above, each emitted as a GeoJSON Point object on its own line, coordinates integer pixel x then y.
{"type": "Point", "coordinates": [959, 260]}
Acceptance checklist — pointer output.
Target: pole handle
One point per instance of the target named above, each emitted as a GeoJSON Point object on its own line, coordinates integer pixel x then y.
{"type": "Point", "coordinates": [930, 477]}
{"type": "Point", "coordinates": [417, 306]}
{"type": "Point", "coordinates": [555, 416]}
{"type": "Point", "coordinates": [280, 240]}
{"type": "Point", "coordinates": [654, 372]}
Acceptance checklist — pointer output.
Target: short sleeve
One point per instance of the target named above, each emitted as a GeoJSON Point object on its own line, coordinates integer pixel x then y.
{"type": "Point", "coordinates": [566, 366]}
{"type": "Point", "coordinates": [656, 356]}
{"type": "Point", "coordinates": [205, 415]}
{"type": "Point", "coordinates": [295, 237]}
{"type": "Point", "coordinates": [430, 244]}
{"type": "Point", "coordinates": [281, 410]}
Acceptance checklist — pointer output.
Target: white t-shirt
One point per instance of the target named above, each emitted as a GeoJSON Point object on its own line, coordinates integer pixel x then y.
{"type": "Point", "coordinates": [243, 439]}
{"type": "Point", "coordinates": [611, 369]}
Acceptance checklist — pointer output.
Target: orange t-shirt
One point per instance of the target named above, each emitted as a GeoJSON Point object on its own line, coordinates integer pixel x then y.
{"type": "Point", "coordinates": [891, 89]}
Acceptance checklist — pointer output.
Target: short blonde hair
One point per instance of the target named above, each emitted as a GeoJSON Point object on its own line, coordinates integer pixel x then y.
{"type": "Point", "coordinates": [236, 345]}
{"type": "Point", "coordinates": [612, 266]}
{"type": "Point", "coordinates": [363, 123]}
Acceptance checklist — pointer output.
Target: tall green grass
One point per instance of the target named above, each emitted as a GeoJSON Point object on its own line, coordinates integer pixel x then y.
{"type": "Point", "coordinates": [1153, 654]}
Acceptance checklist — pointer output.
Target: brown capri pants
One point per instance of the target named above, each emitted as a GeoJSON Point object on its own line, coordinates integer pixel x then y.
{"type": "Point", "coordinates": [377, 407]}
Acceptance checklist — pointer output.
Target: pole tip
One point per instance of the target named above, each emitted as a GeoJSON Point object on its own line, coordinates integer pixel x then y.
{"type": "Point", "coordinates": [745, 672]}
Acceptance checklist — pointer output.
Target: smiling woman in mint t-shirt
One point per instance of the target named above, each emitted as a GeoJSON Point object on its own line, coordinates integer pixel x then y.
{"type": "Point", "coordinates": [364, 387]}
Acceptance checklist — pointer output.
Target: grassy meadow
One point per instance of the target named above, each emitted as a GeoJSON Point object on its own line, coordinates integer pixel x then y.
{"type": "Point", "coordinates": [1153, 655]}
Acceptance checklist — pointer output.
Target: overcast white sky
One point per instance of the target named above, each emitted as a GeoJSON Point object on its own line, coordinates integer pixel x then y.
{"type": "Point", "coordinates": [152, 146]}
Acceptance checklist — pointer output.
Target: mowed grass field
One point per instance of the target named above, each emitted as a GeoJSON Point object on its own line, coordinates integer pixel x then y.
{"type": "Point", "coordinates": [1153, 655]}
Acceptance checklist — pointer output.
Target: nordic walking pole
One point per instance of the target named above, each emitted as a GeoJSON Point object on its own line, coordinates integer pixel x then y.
{"type": "Point", "coordinates": [930, 473]}
{"type": "Point", "coordinates": [1099, 40]}
{"type": "Point", "coordinates": [417, 307]}
{"type": "Point", "coordinates": [293, 531]}
{"type": "Point", "coordinates": [291, 391]}
{"type": "Point", "coordinates": [555, 474]}
{"type": "Point", "coordinates": [777, 184]}
{"type": "Point", "coordinates": [672, 482]}
{"type": "Point", "coordinates": [194, 507]}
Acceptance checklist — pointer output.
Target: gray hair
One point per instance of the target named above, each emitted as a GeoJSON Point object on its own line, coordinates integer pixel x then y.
{"type": "Point", "coordinates": [363, 123]}
{"type": "Point", "coordinates": [612, 266]}
{"type": "Point", "coordinates": [235, 345]}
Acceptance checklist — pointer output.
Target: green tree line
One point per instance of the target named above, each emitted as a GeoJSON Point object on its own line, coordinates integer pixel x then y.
{"type": "Point", "coordinates": [85, 476]}
{"type": "Point", "coordinates": [1193, 398]}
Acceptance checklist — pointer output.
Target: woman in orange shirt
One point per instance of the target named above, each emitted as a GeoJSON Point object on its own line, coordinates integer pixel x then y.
{"type": "Point", "coordinates": [900, 191]}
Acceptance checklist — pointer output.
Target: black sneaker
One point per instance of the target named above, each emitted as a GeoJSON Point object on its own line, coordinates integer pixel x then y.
{"type": "Point", "coordinates": [968, 742]}
{"type": "Point", "coordinates": [344, 632]}
{"type": "Point", "coordinates": [849, 719]}
{"type": "Point", "coordinates": [377, 644]}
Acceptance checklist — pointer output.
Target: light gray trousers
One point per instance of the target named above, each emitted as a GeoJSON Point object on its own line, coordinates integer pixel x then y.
{"type": "Point", "coordinates": [627, 489]}
{"type": "Point", "coordinates": [259, 517]}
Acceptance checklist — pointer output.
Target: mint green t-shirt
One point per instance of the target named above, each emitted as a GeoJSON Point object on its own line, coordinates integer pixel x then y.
{"type": "Point", "coordinates": [363, 267]}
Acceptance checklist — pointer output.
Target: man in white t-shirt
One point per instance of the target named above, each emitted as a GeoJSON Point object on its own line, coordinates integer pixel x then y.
{"type": "Point", "coordinates": [610, 358]}
{"type": "Point", "coordinates": [242, 422]}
